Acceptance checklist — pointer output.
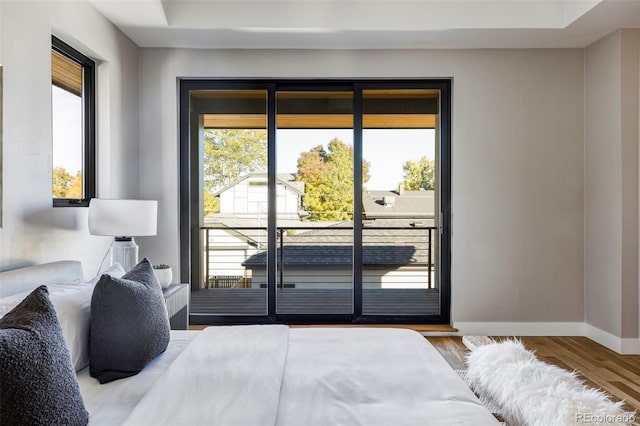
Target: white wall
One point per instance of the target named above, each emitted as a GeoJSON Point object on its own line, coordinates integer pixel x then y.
{"type": "Point", "coordinates": [603, 158]}
{"type": "Point", "coordinates": [612, 77]}
{"type": "Point", "coordinates": [32, 230]}
{"type": "Point", "coordinates": [517, 162]}
{"type": "Point", "coordinates": [630, 77]}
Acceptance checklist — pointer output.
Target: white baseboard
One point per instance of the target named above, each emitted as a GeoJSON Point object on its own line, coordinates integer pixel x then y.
{"type": "Point", "coordinates": [520, 328]}
{"type": "Point", "coordinates": [624, 346]}
{"type": "Point", "coordinates": [617, 344]}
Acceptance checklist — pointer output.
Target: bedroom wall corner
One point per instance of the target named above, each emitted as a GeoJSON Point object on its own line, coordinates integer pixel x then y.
{"type": "Point", "coordinates": [33, 231]}
{"type": "Point", "coordinates": [612, 78]}
{"type": "Point", "coordinates": [630, 108]}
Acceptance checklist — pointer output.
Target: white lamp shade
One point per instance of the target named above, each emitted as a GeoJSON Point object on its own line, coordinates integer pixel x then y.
{"type": "Point", "coordinates": [123, 218]}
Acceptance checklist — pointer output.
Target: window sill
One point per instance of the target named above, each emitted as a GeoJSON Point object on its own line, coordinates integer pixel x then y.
{"type": "Point", "coordinates": [70, 202]}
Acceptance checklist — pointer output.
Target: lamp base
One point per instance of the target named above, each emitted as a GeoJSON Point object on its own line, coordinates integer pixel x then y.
{"type": "Point", "coordinates": [124, 250]}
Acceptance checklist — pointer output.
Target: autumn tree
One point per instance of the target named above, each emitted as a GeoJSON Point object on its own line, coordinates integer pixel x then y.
{"type": "Point", "coordinates": [228, 155]}
{"type": "Point", "coordinates": [66, 185]}
{"type": "Point", "coordinates": [328, 178]}
{"type": "Point", "coordinates": [419, 174]}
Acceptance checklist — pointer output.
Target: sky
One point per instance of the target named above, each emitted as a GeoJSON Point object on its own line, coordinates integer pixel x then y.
{"type": "Point", "coordinates": [385, 149]}
{"type": "Point", "coordinates": [67, 130]}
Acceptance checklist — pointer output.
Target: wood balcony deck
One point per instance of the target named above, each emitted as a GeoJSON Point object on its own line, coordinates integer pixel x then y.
{"type": "Point", "coordinates": [253, 301]}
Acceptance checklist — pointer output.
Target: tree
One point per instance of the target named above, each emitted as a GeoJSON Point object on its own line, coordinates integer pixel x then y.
{"type": "Point", "coordinates": [75, 189]}
{"type": "Point", "coordinates": [328, 178]}
{"type": "Point", "coordinates": [211, 203]}
{"type": "Point", "coordinates": [65, 185]}
{"type": "Point", "coordinates": [419, 174]}
{"type": "Point", "coordinates": [228, 155]}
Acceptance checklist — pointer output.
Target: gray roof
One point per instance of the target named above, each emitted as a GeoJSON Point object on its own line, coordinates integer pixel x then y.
{"type": "Point", "coordinates": [336, 256]}
{"type": "Point", "coordinates": [414, 204]}
{"type": "Point", "coordinates": [332, 246]}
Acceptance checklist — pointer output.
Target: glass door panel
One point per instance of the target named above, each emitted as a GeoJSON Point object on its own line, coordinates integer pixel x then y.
{"type": "Point", "coordinates": [400, 200]}
{"type": "Point", "coordinates": [234, 207]}
{"type": "Point", "coordinates": [314, 157]}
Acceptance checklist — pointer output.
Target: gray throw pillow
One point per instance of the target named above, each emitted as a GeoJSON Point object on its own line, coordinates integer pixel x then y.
{"type": "Point", "coordinates": [38, 384]}
{"type": "Point", "coordinates": [129, 324]}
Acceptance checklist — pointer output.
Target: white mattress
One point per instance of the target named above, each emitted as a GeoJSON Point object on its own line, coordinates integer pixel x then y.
{"type": "Point", "coordinates": [275, 376]}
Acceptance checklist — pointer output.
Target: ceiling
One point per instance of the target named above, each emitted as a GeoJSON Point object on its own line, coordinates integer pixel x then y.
{"type": "Point", "coordinates": [369, 24]}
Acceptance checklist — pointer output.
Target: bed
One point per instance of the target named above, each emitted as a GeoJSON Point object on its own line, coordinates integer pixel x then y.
{"type": "Point", "coordinates": [271, 374]}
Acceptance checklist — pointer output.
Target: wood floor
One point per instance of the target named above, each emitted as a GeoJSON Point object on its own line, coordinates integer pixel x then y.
{"type": "Point", "coordinates": [599, 367]}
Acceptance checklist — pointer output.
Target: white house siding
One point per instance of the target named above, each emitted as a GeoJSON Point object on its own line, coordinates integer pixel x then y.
{"type": "Point", "coordinates": [250, 197]}
{"type": "Point", "coordinates": [244, 198]}
{"type": "Point", "coordinates": [337, 279]}
{"type": "Point", "coordinates": [309, 278]}
{"type": "Point", "coordinates": [227, 253]}
{"type": "Point", "coordinates": [397, 278]}
{"type": "Point", "coordinates": [287, 200]}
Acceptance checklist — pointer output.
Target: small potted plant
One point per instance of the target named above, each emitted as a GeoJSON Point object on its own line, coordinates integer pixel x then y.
{"type": "Point", "coordinates": [164, 274]}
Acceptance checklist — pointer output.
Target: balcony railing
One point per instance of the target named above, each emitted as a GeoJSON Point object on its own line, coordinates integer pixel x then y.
{"type": "Point", "coordinates": [314, 257]}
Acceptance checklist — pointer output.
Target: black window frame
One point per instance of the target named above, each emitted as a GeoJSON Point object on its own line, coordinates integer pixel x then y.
{"type": "Point", "coordinates": [89, 123]}
{"type": "Point", "coordinates": [189, 124]}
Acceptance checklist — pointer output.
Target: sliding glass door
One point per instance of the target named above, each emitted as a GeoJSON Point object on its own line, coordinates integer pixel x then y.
{"type": "Point", "coordinates": [314, 156]}
{"type": "Point", "coordinates": [400, 197]}
{"type": "Point", "coordinates": [316, 202]}
{"type": "Point", "coordinates": [233, 204]}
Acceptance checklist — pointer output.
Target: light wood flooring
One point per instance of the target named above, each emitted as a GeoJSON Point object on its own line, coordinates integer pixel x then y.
{"type": "Point", "coordinates": [599, 367]}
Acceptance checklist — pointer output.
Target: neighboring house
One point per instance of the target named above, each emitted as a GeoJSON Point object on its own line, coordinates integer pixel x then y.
{"type": "Point", "coordinates": [248, 196]}
{"type": "Point", "coordinates": [243, 215]}
{"type": "Point", "coordinates": [399, 204]}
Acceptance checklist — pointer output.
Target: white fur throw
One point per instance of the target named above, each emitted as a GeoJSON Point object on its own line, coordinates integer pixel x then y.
{"type": "Point", "coordinates": [533, 393]}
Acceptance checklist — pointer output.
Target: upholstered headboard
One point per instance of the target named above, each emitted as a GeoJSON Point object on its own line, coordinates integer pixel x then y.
{"type": "Point", "coordinates": [30, 277]}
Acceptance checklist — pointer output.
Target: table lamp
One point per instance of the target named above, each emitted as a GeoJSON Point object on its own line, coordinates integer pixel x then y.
{"type": "Point", "coordinates": [123, 220]}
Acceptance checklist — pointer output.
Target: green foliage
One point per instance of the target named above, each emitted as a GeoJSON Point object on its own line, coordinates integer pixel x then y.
{"type": "Point", "coordinates": [161, 266]}
{"type": "Point", "coordinates": [211, 203]}
{"type": "Point", "coordinates": [229, 154]}
{"type": "Point", "coordinates": [66, 185]}
{"type": "Point", "coordinates": [419, 174]}
{"type": "Point", "coordinates": [328, 178]}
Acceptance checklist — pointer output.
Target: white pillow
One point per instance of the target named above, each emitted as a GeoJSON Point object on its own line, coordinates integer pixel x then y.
{"type": "Point", "coordinates": [72, 303]}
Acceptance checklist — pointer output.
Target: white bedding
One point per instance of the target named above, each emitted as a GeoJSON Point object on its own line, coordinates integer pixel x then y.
{"type": "Point", "coordinates": [372, 376]}
{"type": "Point", "coordinates": [273, 375]}
{"type": "Point", "coordinates": [227, 376]}
{"type": "Point", "coordinates": [110, 404]}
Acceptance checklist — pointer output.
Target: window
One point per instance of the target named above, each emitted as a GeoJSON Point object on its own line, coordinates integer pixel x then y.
{"type": "Point", "coordinates": [73, 119]}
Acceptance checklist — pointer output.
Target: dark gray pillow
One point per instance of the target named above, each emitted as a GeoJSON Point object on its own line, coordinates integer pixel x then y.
{"type": "Point", "coordinates": [129, 324]}
{"type": "Point", "coordinates": [38, 384]}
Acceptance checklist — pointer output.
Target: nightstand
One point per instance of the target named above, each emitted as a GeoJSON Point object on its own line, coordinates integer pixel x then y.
{"type": "Point", "coordinates": [176, 296]}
